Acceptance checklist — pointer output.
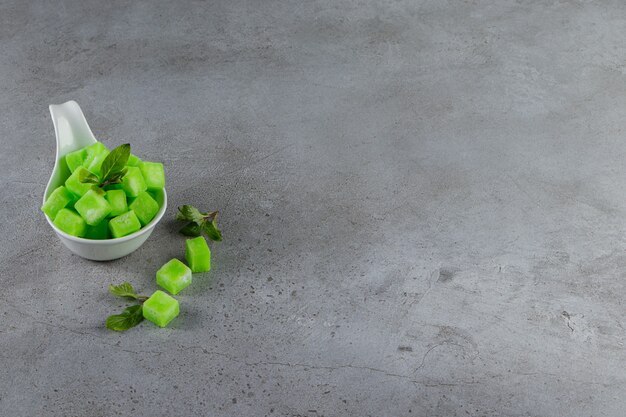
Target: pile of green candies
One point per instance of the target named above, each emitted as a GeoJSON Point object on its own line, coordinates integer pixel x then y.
{"type": "Point", "coordinates": [115, 210]}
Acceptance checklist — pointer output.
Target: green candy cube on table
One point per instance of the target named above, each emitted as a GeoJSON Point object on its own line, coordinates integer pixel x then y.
{"type": "Point", "coordinates": [154, 175]}
{"type": "Point", "coordinates": [93, 207]}
{"type": "Point", "coordinates": [99, 232]}
{"type": "Point", "coordinates": [133, 182]}
{"type": "Point", "coordinates": [96, 153]}
{"type": "Point", "coordinates": [74, 185]}
{"type": "Point", "coordinates": [174, 276]}
{"type": "Point", "coordinates": [57, 200]}
{"type": "Point", "coordinates": [117, 201]}
{"type": "Point", "coordinates": [198, 254]}
{"type": "Point", "coordinates": [70, 222]}
{"type": "Point", "coordinates": [133, 161]}
{"type": "Point", "coordinates": [160, 308]}
{"type": "Point", "coordinates": [124, 224]}
{"type": "Point", "coordinates": [75, 159]}
{"type": "Point", "coordinates": [145, 207]}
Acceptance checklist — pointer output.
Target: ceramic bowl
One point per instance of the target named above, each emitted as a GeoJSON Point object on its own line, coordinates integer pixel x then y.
{"type": "Point", "coordinates": [73, 133]}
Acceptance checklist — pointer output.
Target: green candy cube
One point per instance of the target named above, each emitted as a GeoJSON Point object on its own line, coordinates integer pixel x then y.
{"type": "Point", "coordinates": [94, 150]}
{"type": "Point", "coordinates": [133, 183]}
{"type": "Point", "coordinates": [96, 153]}
{"type": "Point", "coordinates": [198, 254]}
{"type": "Point", "coordinates": [93, 207]}
{"type": "Point", "coordinates": [133, 161]}
{"type": "Point", "coordinates": [124, 225]}
{"type": "Point", "coordinates": [75, 159]}
{"type": "Point", "coordinates": [117, 201]}
{"type": "Point", "coordinates": [99, 232]}
{"type": "Point", "coordinates": [153, 174]}
{"type": "Point", "coordinates": [57, 200]}
{"type": "Point", "coordinates": [70, 222]}
{"type": "Point", "coordinates": [174, 276]}
{"type": "Point", "coordinates": [75, 186]}
{"type": "Point", "coordinates": [160, 308]}
{"type": "Point", "coordinates": [144, 207]}
{"type": "Point", "coordinates": [153, 195]}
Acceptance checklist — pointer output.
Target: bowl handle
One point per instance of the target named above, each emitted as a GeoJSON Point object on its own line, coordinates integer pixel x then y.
{"type": "Point", "coordinates": [70, 127]}
{"type": "Point", "coordinates": [72, 133]}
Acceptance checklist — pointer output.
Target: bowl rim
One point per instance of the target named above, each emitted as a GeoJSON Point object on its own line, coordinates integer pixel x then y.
{"type": "Point", "coordinates": [105, 242]}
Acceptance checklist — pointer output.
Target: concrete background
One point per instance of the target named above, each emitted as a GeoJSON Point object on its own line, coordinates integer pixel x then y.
{"type": "Point", "coordinates": [423, 205]}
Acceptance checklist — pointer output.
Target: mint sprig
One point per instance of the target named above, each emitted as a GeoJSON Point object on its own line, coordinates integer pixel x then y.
{"type": "Point", "coordinates": [131, 316]}
{"type": "Point", "coordinates": [126, 290]}
{"type": "Point", "coordinates": [113, 165]}
{"type": "Point", "coordinates": [112, 170]}
{"type": "Point", "coordinates": [88, 177]}
{"type": "Point", "coordinates": [198, 223]}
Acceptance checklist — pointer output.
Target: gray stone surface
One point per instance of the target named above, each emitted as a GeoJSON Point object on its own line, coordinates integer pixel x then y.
{"type": "Point", "coordinates": [423, 205]}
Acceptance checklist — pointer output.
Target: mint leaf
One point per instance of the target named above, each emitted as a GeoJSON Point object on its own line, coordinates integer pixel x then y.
{"type": "Point", "coordinates": [115, 178]}
{"type": "Point", "coordinates": [191, 229]}
{"type": "Point", "coordinates": [112, 170]}
{"type": "Point", "coordinates": [125, 289]}
{"type": "Point", "coordinates": [115, 162]}
{"type": "Point", "coordinates": [211, 230]}
{"type": "Point", "coordinates": [87, 177]}
{"type": "Point", "coordinates": [210, 217]}
{"type": "Point", "coordinates": [189, 213]}
{"type": "Point", "coordinates": [130, 317]}
{"type": "Point", "coordinates": [198, 222]}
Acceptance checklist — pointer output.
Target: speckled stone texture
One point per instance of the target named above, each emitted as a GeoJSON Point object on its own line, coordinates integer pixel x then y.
{"type": "Point", "coordinates": [423, 205]}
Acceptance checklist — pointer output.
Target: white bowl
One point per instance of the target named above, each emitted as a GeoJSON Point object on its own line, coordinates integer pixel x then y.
{"type": "Point", "coordinates": [73, 133]}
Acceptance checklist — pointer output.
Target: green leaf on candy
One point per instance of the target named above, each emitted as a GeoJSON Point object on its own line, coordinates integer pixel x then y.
{"type": "Point", "coordinates": [116, 178]}
{"type": "Point", "coordinates": [112, 169]}
{"type": "Point", "coordinates": [130, 317]}
{"type": "Point", "coordinates": [118, 175]}
{"type": "Point", "coordinates": [87, 177]}
{"type": "Point", "coordinates": [125, 289]}
{"type": "Point", "coordinates": [115, 161]}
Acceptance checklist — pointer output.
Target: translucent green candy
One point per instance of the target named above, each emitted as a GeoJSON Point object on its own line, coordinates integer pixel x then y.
{"type": "Point", "coordinates": [70, 222]}
{"type": "Point", "coordinates": [198, 254]}
{"type": "Point", "coordinates": [101, 231]}
{"type": "Point", "coordinates": [174, 276]}
{"type": "Point", "coordinates": [124, 225]}
{"type": "Point", "coordinates": [133, 183]}
{"type": "Point", "coordinates": [96, 153]}
{"type": "Point", "coordinates": [111, 211]}
{"type": "Point", "coordinates": [117, 201]}
{"type": "Point", "coordinates": [74, 185]}
{"type": "Point", "coordinates": [57, 200]}
{"type": "Point", "coordinates": [93, 207]}
{"type": "Point", "coordinates": [144, 207]}
{"type": "Point", "coordinates": [153, 174]}
{"type": "Point", "coordinates": [75, 159]}
{"type": "Point", "coordinates": [133, 161]}
{"type": "Point", "coordinates": [160, 308]}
